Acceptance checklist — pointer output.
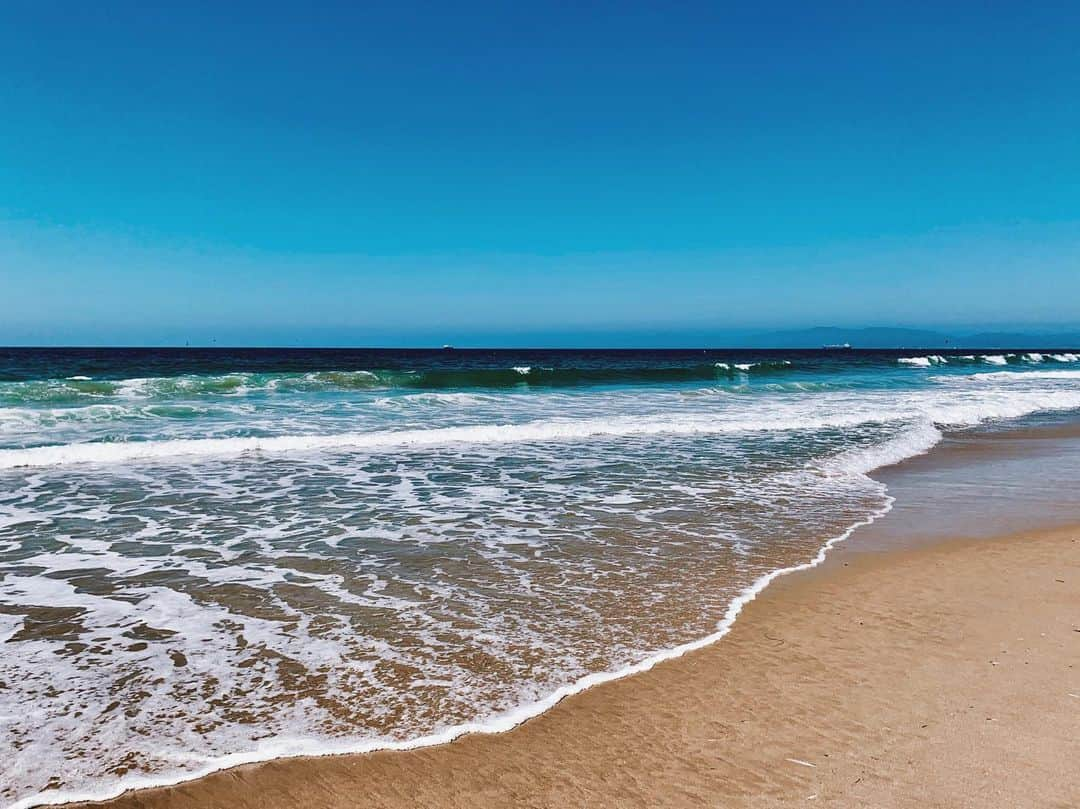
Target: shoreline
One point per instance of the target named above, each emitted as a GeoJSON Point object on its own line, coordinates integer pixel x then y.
{"type": "Point", "coordinates": [602, 726]}
{"type": "Point", "coordinates": [832, 558]}
{"type": "Point", "coordinates": [786, 708]}
{"type": "Point", "coordinates": [497, 726]}
{"type": "Point", "coordinates": [866, 664]}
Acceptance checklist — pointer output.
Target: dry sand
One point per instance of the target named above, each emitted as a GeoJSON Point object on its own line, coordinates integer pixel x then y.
{"type": "Point", "coordinates": [944, 676]}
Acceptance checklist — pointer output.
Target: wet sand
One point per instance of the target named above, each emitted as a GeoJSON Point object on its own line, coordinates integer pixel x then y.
{"type": "Point", "coordinates": [941, 676]}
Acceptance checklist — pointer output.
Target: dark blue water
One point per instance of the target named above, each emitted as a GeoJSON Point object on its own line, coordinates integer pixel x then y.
{"type": "Point", "coordinates": [20, 364]}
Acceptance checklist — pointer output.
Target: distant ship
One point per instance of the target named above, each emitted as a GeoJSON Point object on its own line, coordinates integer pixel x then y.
{"type": "Point", "coordinates": [447, 347]}
{"type": "Point", "coordinates": [836, 346]}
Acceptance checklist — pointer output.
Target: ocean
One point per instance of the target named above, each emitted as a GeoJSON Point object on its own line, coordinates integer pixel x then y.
{"type": "Point", "coordinates": [215, 556]}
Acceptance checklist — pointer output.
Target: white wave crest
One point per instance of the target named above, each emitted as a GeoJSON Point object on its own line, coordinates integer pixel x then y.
{"type": "Point", "coordinates": [923, 362]}
{"type": "Point", "coordinates": [536, 431]}
{"type": "Point", "coordinates": [749, 366]}
{"type": "Point", "coordinates": [1017, 376]}
{"type": "Point", "coordinates": [916, 441]}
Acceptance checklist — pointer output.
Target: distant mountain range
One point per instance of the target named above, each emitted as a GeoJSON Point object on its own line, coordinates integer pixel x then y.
{"type": "Point", "coordinates": [907, 338]}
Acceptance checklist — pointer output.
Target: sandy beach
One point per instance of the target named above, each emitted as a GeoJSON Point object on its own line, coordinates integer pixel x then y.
{"type": "Point", "coordinates": [940, 676]}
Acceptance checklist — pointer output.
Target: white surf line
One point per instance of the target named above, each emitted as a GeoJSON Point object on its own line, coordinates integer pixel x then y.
{"type": "Point", "coordinates": [308, 748]}
{"type": "Point", "coordinates": [533, 431]}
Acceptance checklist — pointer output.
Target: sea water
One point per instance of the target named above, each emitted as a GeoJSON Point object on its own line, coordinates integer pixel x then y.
{"type": "Point", "coordinates": [216, 556]}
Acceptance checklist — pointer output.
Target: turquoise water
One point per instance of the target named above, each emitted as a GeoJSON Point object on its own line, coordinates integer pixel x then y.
{"type": "Point", "coordinates": [208, 557]}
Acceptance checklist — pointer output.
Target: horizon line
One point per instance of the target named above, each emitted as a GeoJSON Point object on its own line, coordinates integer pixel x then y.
{"type": "Point", "coordinates": [454, 348]}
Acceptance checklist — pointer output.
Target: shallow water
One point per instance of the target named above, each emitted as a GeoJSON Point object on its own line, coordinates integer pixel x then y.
{"type": "Point", "coordinates": [206, 555]}
{"type": "Point", "coordinates": [991, 482]}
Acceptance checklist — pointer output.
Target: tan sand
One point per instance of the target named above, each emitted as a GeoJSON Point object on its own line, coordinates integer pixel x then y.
{"type": "Point", "coordinates": [946, 676]}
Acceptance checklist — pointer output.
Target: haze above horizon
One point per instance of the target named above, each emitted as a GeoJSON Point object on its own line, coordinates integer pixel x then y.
{"type": "Point", "coordinates": [617, 174]}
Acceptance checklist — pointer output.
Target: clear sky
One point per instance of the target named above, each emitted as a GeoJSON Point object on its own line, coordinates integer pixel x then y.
{"type": "Point", "coordinates": [509, 173]}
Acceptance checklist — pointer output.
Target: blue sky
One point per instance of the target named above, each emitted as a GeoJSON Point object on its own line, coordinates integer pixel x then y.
{"type": "Point", "coordinates": [558, 173]}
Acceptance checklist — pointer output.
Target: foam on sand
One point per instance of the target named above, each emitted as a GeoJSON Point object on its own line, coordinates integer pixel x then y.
{"type": "Point", "coordinates": [284, 747]}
